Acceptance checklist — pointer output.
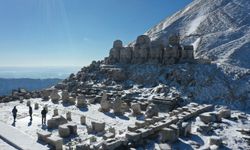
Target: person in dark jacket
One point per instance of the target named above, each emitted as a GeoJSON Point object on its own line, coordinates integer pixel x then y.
{"type": "Point", "coordinates": [44, 113]}
{"type": "Point", "coordinates": [30, 112]}
{"type": "Point", "coordinates": [14, 113]}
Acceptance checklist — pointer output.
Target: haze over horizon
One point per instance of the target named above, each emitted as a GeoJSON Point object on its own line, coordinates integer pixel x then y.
{"type": "Point", "coordinates": [73, 33]}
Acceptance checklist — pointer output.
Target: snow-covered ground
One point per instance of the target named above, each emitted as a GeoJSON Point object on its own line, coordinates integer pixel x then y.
{"type": "Point", "coordinates": [232, 139]}
{"type": "Point", "coordinates": [5, 146]}
{"type": "Point", "coordinates": [31, 128]}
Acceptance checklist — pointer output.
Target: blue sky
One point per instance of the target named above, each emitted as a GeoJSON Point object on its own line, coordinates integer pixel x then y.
{"type": "Point", "coordinates": [73, 32]}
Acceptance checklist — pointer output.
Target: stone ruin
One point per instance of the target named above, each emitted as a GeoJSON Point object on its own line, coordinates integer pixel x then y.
{"type": "Point", "coordinates": [146, 51]}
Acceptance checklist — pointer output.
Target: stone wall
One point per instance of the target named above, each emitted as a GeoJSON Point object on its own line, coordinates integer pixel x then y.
{"type": "Point", "coordinates": [146, 51]}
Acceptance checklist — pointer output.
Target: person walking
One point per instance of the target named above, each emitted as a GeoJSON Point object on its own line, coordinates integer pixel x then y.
{"type": "Point", "coordinates": [44, 113]}
{"type": "Point", "coordinates": [14, 113]}
{"type": "Point", "coordinates": [30, 112]}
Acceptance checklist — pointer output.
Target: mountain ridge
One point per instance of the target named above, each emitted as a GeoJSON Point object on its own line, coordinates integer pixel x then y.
{"type": "Point", "coordinates": [218, 29]}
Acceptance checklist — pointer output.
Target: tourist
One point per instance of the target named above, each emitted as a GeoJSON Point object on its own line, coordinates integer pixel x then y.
{"type": "Point", "coordinates": [44, 113]}
{"type": "Point", "coordinates": [14, 112]}
{"type": "Point", "coordinates": [30, 112]}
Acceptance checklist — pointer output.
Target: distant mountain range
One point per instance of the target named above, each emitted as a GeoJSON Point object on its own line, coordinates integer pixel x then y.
{"type": "Point", "coordinates": [37, 72]}
{"type": "Point", "coordinates": [32, 78]}
{"type": "Point", "coordinates": [7, 85]}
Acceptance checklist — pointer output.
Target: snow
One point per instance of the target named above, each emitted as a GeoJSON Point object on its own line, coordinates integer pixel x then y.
{"type": "Point", "coordinates": [222, 25]}
{"type": "Point", "coordinates": [5, 146]}
{"type": "Point", "coordinates": [24, 127]}
{"type": "Point", "coordinates": [196, 44]}
{"type": "Point", "coordinates": [193, 26]}
{"type": "Point", "coordinates": [18, 139]}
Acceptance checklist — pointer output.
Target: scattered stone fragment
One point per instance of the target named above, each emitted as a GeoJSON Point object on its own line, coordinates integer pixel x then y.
{"type": "Point", "coordinates": [108, 135]}
{"type": "Point", "coordinates": [28, 103]}
{"type": "Point", "coordinates": [36, 106]}
{"type": "Point", "coordinates": [81, 101]}
{"type": "Point", "coordinates": [185, 128]}
{"type": "Point", "coordinates": [72, 100]}
{"type": "Point", "coordinates": [152, 110]}
{"type": "Point", "coordinates": [136, 108]}
{"type": "Point", "coordinates": [55, 112]}
{"type": "Point", "coordinates": [54, 96]}
{"type": "Point", "coordinates": [209, 117]}
{"type": "Point", "coordinates": [165, 146]}
{"type": "Point", "coordinates": [140, 124]}
{"type": "Point", "coordinates": [65, 96]}
{"type": "Point", "coordinates": [83, 146]}
{"type": "Point", "coordinates": [83, 120]}
{"type": "Point", "coordinates": [225, 113]}
{"type": "Point", "coordinates": [132, 128]}
{"type": "Point", "coordinates": [215, 140]}
{"type": "Point", "coordinates": [105, 104]}
{"type": "Point", "coordinates": [117, 106]}
{"type": "Point", "coordinates": [68, 116]}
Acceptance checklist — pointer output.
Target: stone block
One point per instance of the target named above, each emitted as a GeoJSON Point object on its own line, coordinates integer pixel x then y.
{"type": "Point", "coordinates": [149, 121]}
{"type": "Point", "coordinates": [225, 113]}
{"type": "Point", "coordinates": [186, 128]}
{"type": "Point", "coordinates": [98, 126]}
{"type": "Point", "coordinates": [56, 142]}
{"type": "Point", "coordinates": [136, 108]}
{"type": "Point", "coordinates": [72, 128]}
{"type": "Point", "coordinates": [140, 124]}
{"type": "Point", "coordinates": [108, 135]}
{"type": "Point", "coordinates": [56, 121]}
{"type": "Point", "coordinates": [168, 135]}
{"type": "Point", "coordinates": [112, 144]}
{"type": "Point", "coordinates": [132, 128]}
{"type": "Point", "coordinates": [64, 131]}
{"type": "Point", "coordinates": [83, 146]}
{"type": "Point", "coordinates": [43, 135]}
{"type": "Point", "coordinates": [210, 117]}
{"type": "Point", "coordinates": [175, 128]}
{"type": "Point", "coordinates": [133, 136]}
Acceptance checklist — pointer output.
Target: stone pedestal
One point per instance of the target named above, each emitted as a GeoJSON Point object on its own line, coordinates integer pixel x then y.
{"type": "Point", "coordinates": [56, 142]}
